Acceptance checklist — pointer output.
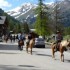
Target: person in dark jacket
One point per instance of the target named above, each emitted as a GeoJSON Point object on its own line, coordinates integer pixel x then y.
{"type": "Point", "coordinates": [59, 38]}
{"type": "Point", "coordinates": [20, 41]}
{"type": "Point", "coordinates": [11, 38]}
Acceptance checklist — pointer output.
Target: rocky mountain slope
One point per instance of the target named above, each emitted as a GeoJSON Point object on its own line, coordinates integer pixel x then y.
{"type": "Point", "coordinates": [26, 12]}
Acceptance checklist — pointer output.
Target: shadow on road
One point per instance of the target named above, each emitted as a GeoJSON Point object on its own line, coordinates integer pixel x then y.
{"type": "Point", "coordinates": [44, 55]}
{"type": "Point", "coordinates": [9, 47]}
{"type": "Point", "coordinates": [8, 53]}
{"type": "Point", "coordinates": [26, 66]}
{"type": "Point", "coordinates": [19, 67]}
{"type": "Point", "coordinates": [67, 61]}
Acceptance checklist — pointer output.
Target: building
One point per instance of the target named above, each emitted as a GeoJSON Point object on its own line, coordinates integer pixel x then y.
{"type": "Point", "coordinates": [3, 25]}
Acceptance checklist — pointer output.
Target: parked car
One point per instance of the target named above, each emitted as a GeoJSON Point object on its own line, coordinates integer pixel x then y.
{"type": "Point", "coordinates": [39, 43]}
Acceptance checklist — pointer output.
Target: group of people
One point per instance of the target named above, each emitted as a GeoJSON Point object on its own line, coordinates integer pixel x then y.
{"type": "Point", "coordinates": [22, 37]}
{"type": "Point", "coordinates": [29, 36]}
{"type": "Point", "coordinates": [10, 37]}
{"type": "Point", "coordinates": [13, 38]}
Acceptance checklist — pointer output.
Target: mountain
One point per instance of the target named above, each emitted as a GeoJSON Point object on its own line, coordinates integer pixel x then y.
{"type": "Point", "coordinates": [2, 13]}
{"type": "Point", "coordinates": [65, 12]}
{"type": "Point", "coordinates": [24, 13]}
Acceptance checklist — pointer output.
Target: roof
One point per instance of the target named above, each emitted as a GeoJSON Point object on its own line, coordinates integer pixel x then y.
{"type": "Point", "coordinates": [2, 19]}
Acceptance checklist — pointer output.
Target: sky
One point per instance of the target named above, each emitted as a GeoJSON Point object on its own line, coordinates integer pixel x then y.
{"type": "Point", "coordinates": [11, 4]}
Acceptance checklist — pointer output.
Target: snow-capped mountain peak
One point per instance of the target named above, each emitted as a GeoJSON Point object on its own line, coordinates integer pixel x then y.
{"type": "Point", "coordinates": [24, 10]}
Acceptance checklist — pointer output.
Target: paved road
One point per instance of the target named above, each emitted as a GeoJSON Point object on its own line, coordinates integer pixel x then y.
{"type": "Point", "coordinates": [13, 59]}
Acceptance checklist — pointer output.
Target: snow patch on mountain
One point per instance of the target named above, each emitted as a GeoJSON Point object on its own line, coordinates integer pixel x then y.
{"type": "Point", "coordinates": [23, 12]}
{"type": "Point", "coordinates": [26, 12]}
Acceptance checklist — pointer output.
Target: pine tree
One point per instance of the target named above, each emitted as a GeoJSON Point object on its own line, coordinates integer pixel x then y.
{"type": "Point", "coordinates": [41, 24]}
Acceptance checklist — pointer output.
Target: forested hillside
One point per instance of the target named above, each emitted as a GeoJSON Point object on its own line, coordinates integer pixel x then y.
{"type": "Point", "coordinates": [13, 24]}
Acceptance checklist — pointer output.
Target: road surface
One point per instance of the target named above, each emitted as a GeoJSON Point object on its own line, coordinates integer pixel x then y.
{"type": "Point", "coordinates": [13, 59]}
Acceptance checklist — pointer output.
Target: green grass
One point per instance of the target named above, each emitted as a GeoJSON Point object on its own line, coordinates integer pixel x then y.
{"type": "Point", "coordinates": [67, 37]}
